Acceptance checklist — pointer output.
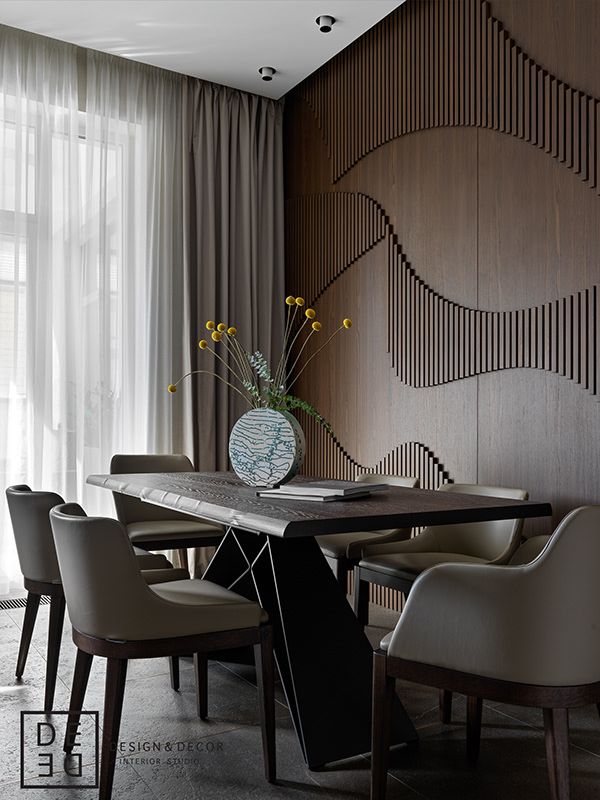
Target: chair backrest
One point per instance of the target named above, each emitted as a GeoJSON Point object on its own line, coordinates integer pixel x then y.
{"type": "Point", "coordinates": [103, 586]}
{"type": "Point", "coordinates": [563, 600]}
{"type": "Point", "coordinates": [132, 509]}
{"type": "Point", "coordinates": [529, 550]}
{"type": "Point", "coordinates": [393, 480]}
{"type": "Point", "coordinates": [493, 541]}
{"type": "Point", "coordinates": [29, 514]}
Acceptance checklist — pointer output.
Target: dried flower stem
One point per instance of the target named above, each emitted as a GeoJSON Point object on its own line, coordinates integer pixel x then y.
{"type": "Point", "coordinates": [291, 369]}
{"type": "Point", "coordinates": [316, 353]}
{"type": "Point", "coordinates": [286, 336]}
{"type": "Point", "coordinates": [218, 377]}
{"type": "Point", "coordinates": [282, 378]}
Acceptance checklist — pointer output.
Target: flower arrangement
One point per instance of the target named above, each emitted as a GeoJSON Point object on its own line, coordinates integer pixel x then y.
{"type": "Point", "coordinates": [250, 374]}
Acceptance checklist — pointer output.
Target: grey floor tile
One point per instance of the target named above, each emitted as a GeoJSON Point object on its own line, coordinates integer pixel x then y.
{"type": "Point", "coordinates": [128, 783]}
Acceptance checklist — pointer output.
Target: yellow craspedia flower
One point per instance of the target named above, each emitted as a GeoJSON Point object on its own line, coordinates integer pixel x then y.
{"type": "Point", "coordinates": [232, 331]}
{"type": "Point", "coordinates": [316, 326]}
{"type": "Point", "coordinates": [290, 301]}
{"type": "Point", "coordinates": [171, 388]}
{"type": "Point", "coordinates": [310, 313]}
{"type": "Point", "coordinates": [216, 336]}
{"type": "Point", "coordinates": [299, 301]}
{"type": "Point", "coordinates": [202, 344]}
{"type": "Point", "coordinates": [221, 327]}
{"type": "Point", "coordinates": [210, 325]}
{"type": "Point", "coordinates": [347, 323]}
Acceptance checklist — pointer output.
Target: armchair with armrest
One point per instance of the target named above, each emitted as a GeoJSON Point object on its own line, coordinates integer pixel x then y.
{"type": "Point", "coordinates": [29, 512]}
{"type": "Point", "coordinates": [505, 634]}
{"type": "Point", "coordinates": [132, 619]}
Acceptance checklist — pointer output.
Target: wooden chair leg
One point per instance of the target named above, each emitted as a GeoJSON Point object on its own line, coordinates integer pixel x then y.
{"type": "Point", "coordinates": [445, 706]}
{"type": "Point", "coordinates": [265, 677]}
{"type": "Point", "coordinates": [340, 571]}
{"type": "Point", "coordinates": [31, 610]}
{"type": "Point", "coordinates": [116, 672]}
{"type": "Point", "coordinates": [556, 726]}
{"type": "Point", "coordinates": [201, 672]}
{"type": "Point", "coordinates": [361, 598]}
{"type": "Point", "coordinates": [474, 709]}
{"type": "Point", "coordinates": [55, 627]}
{"type": "Point", "coordinates": [83, 664]}
{"type": "Point", "coordinates": [384, 687]}
{"type": "Point", "coordinates": [174, 670]}
{"type": "Point", "coordinates": [183, 558]}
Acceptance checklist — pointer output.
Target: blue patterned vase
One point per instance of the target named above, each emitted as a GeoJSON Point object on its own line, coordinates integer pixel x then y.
{"type": "Point", "coordinates": [266, 447]}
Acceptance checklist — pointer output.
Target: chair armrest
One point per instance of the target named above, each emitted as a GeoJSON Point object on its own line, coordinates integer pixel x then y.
{"type": "Point", "coordinates": [425, 542]}
{"type": "Point", "coordinates": [494, 621]}
{"type": "Point", "coordinates": [152, 561]}
{"type": "Point", "coordinates": [152, 576]}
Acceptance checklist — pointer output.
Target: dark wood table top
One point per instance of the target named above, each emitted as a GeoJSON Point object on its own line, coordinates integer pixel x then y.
{"type": "Point", "coordinates": [221, 497]}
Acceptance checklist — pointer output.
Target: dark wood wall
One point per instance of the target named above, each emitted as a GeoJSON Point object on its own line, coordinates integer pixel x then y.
{"type": "Point", "coordinates": [443, 190]}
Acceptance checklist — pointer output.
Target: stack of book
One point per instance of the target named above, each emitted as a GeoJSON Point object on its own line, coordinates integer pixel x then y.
{"type": "Point", "coordinates": [322, 492]}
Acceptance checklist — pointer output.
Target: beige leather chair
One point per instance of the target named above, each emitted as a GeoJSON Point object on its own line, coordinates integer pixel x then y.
{"type": "Point", "coordinates": [29, 512]}
{"type": "Point", "coordinates": [134, 620]}
{"type": "Point", "coordinates": [343, 551]}
{"type": "Point", "coordinates": [152, 527]}
{"type": "Point", "coordinates": [397, 565]}
{"type": "Point", "coordinates": [505, 634]}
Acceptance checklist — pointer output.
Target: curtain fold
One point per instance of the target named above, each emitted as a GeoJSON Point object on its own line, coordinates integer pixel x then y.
{"type": "Point", "coordinates": [234, 243]}
{"type": "Point", "coordinates": [135, 204]}
{"type": "Point", "coordinates": [91, 258]}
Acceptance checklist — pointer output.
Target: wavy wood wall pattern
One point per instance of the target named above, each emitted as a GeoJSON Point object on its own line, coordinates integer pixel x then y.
{"type": "Point", "coordinates": [326, 234]}
{"type": "Point", "coordinates": [326, 457]}
{"type": "Point", "coordinates": [448, 63]}
{"type": "Point", "coordinates": [433, 340]}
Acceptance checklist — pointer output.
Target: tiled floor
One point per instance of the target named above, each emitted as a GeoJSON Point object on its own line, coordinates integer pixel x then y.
{"type": "Point", "coordinates": [226, 761]}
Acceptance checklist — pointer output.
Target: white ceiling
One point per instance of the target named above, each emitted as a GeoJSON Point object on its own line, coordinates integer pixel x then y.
{"type": "Point", "coordinates": [224, 41]}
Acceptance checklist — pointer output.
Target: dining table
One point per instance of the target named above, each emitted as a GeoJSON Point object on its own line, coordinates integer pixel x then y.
{"type": "Point", "coordinates": [269, 554]}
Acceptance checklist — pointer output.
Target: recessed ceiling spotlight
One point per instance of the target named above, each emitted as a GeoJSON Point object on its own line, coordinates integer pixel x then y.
{"type": "Point", "coordinates": [325, 23]}
{"type": "Point", "coordinates": [266, 73]}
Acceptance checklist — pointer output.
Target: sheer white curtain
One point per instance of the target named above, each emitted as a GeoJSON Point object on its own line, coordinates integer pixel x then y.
{"type": "Point", "coordinates": [92, 308]}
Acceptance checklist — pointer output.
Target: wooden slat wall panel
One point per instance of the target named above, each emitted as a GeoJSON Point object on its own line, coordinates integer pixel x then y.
{"type": "Point", "coordinates": [328, 458]}
{"type": "Point", "coordinates": [509, 281]}
{"type": "Point", "coordinates": [429, 338]}
{"type": "Point", "coordinates": [453, 64]}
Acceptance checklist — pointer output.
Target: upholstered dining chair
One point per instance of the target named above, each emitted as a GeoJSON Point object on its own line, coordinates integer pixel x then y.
{"type": "Point", "coordinates": [29, 512]}
{"type": "Point", "coordinates": [343, 551]}
{"type": "Point", "coordinates": [397, 565]}
{"type": "Point", "coordinates": [504, 634]}
{"type": "Point", "coordinates": [135, 620]}
{"type": "Point", "coordinates": [152, 527]}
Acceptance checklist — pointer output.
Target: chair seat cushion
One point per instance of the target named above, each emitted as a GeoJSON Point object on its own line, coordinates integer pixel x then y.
{"type": "Point", "coordinates": [414, 563]}
{"type": "Point", "coordinates": [350, 545]}
{"type": "Point", "coordinates": [199, 606]}
{"type": "Point", "coordinates": [174, 529]}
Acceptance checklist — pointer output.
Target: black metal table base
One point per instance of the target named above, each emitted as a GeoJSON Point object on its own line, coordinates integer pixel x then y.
{"type": "Point", "coordinates": [323, 656]}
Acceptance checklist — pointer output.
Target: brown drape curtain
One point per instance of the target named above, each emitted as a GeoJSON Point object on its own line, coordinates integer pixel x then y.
{"type": "Point", "coordinates": [234, 248]}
